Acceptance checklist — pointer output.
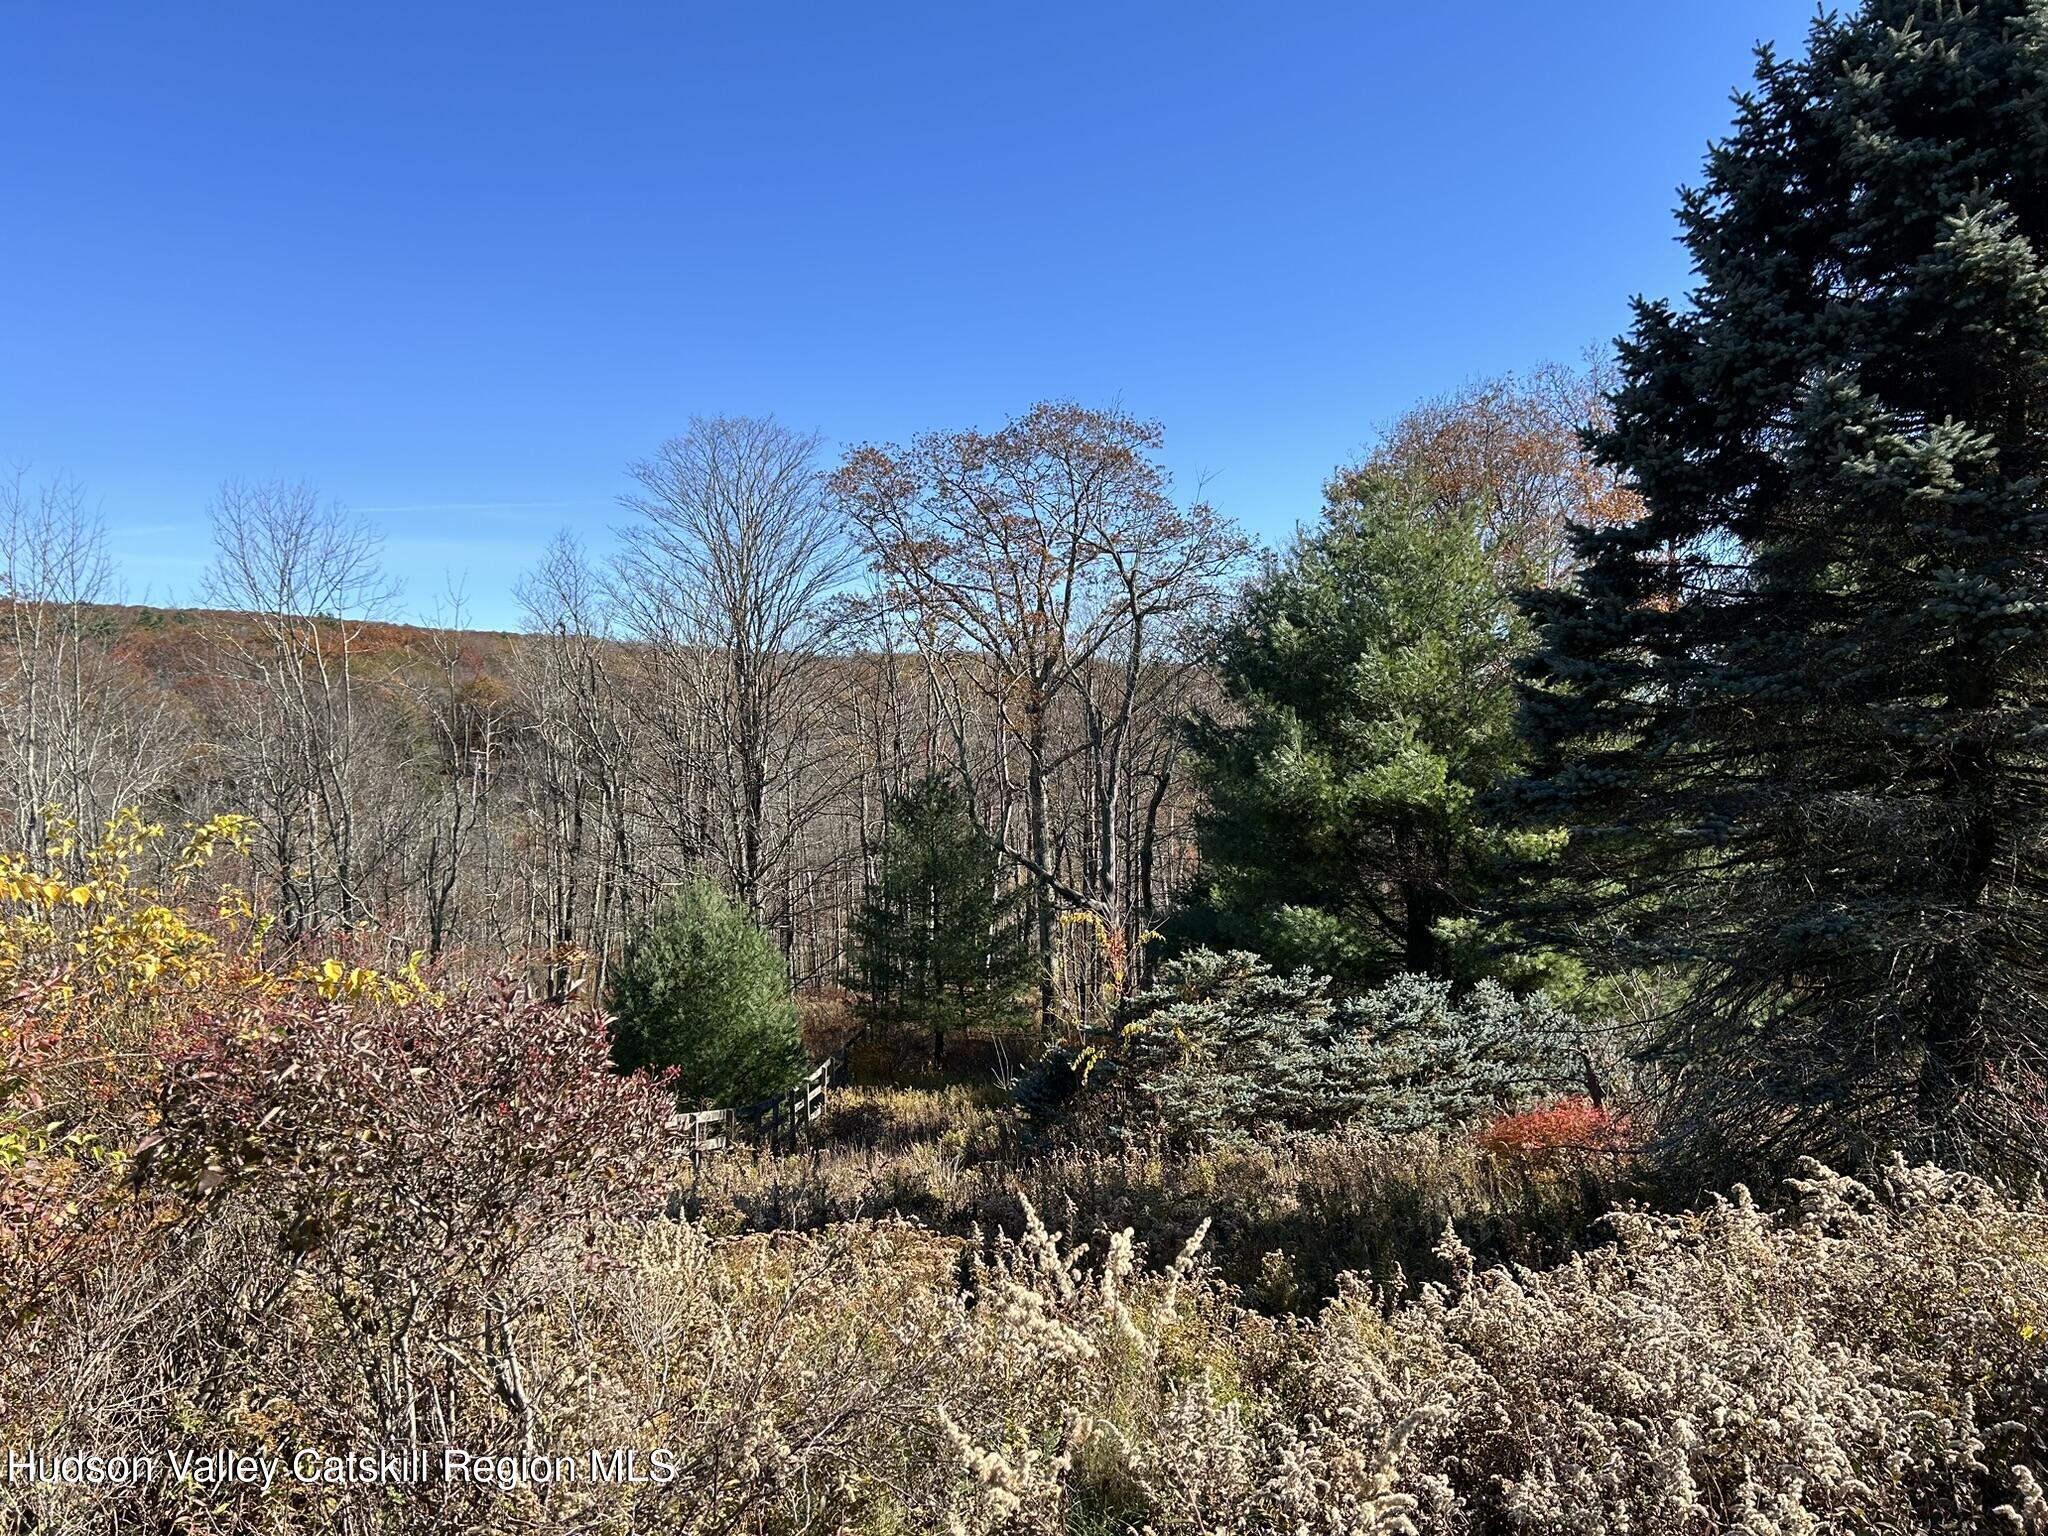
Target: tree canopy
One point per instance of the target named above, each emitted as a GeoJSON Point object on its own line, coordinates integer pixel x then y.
{"type": "Point", "coordinates": [1795, 713]}
{"type": "Point", "coordinates": [1368, 672]}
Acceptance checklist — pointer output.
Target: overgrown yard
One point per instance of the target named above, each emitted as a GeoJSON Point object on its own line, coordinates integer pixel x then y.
{"type": "Point", "coordinates": [449, 1227]}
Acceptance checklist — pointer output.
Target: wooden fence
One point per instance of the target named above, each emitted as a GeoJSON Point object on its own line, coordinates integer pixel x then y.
{"type": "Point", "coordinates": [771, 1122]}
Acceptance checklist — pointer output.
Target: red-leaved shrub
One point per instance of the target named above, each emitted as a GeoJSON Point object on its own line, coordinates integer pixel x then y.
{"type": "Point", "coordinates": [1570, 1125]}
{"type": "Point", "coordinates": [454, 1132]}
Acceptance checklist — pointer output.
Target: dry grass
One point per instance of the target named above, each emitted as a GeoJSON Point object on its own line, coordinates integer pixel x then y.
{"type": "Point", "coordinates": [1283, 1222]}
{"type": "Point", "coordinates": [357, 1230]}
{"type": "Point", "coordinates": [1872, 1361]}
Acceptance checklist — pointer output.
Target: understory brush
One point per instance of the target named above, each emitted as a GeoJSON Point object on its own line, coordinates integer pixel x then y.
{"type": "Point", "coordinates": [1285, 1220]}
{"type": "Point", "coordinates": [1874, 1358]}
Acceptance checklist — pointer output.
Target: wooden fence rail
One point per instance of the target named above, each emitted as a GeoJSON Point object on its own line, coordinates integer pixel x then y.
{"type": "Point", "coordinates": [770, 1122]}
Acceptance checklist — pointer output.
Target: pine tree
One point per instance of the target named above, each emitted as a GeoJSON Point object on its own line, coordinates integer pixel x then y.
{"type": "Point", "coordinates": [702, 989]}
{"type": "Point", "coordinates": [1795, 713]}
{"type": "Point", "coordinates": [937, 941]}
{"type": "Point", "coordinates": [1370, 676]}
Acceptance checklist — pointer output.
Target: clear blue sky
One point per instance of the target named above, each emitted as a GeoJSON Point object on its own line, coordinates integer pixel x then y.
{"type": "Point", "coordinates": [458, 264]}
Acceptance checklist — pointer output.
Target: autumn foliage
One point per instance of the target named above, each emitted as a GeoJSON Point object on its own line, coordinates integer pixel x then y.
{"type": "Point", "coordinates": [120, 955]}
{"type": "Point", "coordinates": [412, 1161]}
{"type": "Point", "coordinates": [1558, 1130]}
{"type": "Point", "coordinates": [243, 1214]}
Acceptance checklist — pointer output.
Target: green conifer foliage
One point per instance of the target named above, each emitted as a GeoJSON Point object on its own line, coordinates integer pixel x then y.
{"type": "Point", "coordinates": [1224, 1050]}
{"type": "Point", "coordinates": [703, 990]}
{"type": "Point", "coordinates": [1795, 714]}
{"type": "Point", "coordinates": [1370, 671]}
{"type": "Point", "coordinates": [939, 940]}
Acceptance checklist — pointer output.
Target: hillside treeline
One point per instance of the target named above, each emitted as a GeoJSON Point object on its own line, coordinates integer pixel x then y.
{"type": "Point", "coordinates": [779, 646]}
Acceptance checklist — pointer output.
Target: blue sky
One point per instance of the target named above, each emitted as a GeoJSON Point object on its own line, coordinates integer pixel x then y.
{"type": "Point", "coordinates": [458, 264]}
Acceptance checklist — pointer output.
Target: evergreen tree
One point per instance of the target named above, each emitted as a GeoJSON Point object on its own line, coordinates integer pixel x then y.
{"type": "Point", "coordinates": [1370, 673]}
{"type": "Point", "coordinates": [937, 942]}
{"type": "Point", "coordinates": [1795, 713]}
{"type": "Point", "coordinates": [1222, 1049]}
{"type": "Point", "coordinates": [702, 989]}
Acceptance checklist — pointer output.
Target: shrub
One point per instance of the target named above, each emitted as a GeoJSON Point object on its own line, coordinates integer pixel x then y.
{"type": "Point", "coordinates": [409, 1170]}
{"type": "Point", "coordinates": [1222, 1049]}
{"type": "Point", "coordinates": [117, 955]}
{"type": "Point", "coordinates": [1872, 1360]}
{"type": "Point", "coordinates": [452, 1130]}
{"type": "Point", "coordinates": [701, 990]}
{"type": "Point", "coordinates": [1570, 1126]}
{"type": "Point", "coordinates": [351, 1216]}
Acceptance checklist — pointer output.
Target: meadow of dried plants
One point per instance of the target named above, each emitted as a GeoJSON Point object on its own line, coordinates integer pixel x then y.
{"type": "Point", "coordinates": [294, 1212]}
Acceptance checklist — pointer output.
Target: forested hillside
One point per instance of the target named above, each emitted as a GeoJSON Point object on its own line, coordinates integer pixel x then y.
{"type": "Point", "coordinates": [685, 705]}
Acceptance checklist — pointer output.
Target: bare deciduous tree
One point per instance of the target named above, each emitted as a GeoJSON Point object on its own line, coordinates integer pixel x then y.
{"type": "Point", "coordinates": [306, 576]}
{"type": "Point", "coordinates": [728, 577]}
{"type": "Point", "coordinates": [459, 730]}
{"type": "Point", "coordinates": [577, 762]}
{"type": "Point", "coordinates": [1040, 561]}
{"type": "Point", "coordinates": [81, 731]}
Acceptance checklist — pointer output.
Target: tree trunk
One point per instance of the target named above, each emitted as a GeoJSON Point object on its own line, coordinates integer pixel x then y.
{"type": "Point", "coordinates": [1039, 815]}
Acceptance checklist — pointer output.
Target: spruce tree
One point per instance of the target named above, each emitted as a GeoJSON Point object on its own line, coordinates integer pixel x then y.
{"type": "Point", "coordinates": [937, 941]}
{"type": "Point", "coordinates": [1795, 714]}
{"type": "Point", "coordinates": [1222, 1049]}
{"type": "Point", "coordinates": [1369, 671]}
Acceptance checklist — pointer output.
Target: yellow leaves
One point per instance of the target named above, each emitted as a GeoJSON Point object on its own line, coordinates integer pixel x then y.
{"type": "Point", "coordinates": [232, 906]}
{"type": "Point", "coordinates": [62, 841]}
{"type": "Point", "coordinates": [25, 887]}
{"type": "Point", "coordinates": [336, 981]}
{"type": "Point", "coordinates": [1109, 961]}
{"type": "Point", "coordinates": [109, 934]}
{"type": "Point", "coordinates": [203, 842]}
{"type": "Point", "coordinates": [407, 986]}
